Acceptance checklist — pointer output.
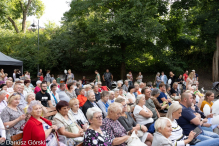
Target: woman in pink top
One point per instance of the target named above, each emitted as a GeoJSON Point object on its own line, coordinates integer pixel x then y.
{"type": "Point", "coordinates": [37, 88]}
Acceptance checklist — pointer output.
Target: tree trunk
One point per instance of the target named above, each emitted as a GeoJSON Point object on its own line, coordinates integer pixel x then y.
{"type": "Point", "coordinates": [14, 24]}
{"type": "Point", "coordinates": [25, 14]}
{"type": "Point", "coordinates": [123, 70]}
{"type": "Point", "coordinates": [215, 62]}
{"type": "Point", "coordinates": [24, 22]}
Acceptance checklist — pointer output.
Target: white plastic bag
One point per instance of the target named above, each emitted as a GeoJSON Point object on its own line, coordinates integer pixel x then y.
{"type": "Point", "coordinates": [134, 140]}
{"type": "Point", "coordinates": [215, 120]}
{"type": "Point", "coordinates": [215, 108]}
{"type": "Point", "coordinates": [207, 110]}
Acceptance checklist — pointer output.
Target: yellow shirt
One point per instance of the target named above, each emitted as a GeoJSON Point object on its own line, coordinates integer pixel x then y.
{"type": "Point", "coordinates": [203, 104]}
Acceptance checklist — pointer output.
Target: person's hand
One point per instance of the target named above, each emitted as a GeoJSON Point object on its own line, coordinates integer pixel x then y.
{"type": "Point", "coordinates": [54, 127]}
{"type": "Point", "coordinates": [210, 116]}
{"type": "Point", "coordinates": [2, 140]}
{"type": "Point", "coordinates": [144, 128]}
{"type": "Point", "coordinates": [165, 106]}
{"type": "Point", "coordinates": [205, 120]}
{"type": "Point", "coordinates": [22, 117]}
{"type": "Point", "coordinates": [191, 135]}
{"type": "Point", "coordinates": [85, 127]}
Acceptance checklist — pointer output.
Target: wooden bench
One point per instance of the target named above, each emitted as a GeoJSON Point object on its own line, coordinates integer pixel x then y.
{"type": "Point", "coordinates": [80, 144]}
{"type": "Point", "coordinates": [16, 139]}
{"type": "Point", "coordinates": [51, 111]}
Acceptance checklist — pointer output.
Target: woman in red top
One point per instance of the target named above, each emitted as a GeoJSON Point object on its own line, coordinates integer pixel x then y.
{"type": "Point", "coordinates": [38, 130]}
{"type": "Point", "coordinates": [81, 98]}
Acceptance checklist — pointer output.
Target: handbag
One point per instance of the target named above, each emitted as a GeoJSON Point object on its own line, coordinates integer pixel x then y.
{"type": "Point", "coordinates": [134, 140]}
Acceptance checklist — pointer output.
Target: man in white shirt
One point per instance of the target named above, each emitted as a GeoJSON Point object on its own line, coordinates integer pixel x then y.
{"type": "Point", "coordinates": [3, 103]}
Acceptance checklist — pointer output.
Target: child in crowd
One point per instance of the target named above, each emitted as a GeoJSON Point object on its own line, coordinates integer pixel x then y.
{"type": "Point", "coordinates": [41, 77]}
{"type": "Point", "coordinates": [58, 79]}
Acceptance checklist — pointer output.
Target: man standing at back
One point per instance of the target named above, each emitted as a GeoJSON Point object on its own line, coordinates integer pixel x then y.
{"type": "Point", "coordinates": [185, 75]}
{"type": "Point", "coordinates": [163, 78]}
{"type": "Point", "coordinates": [107, 77]}
{"type": "Point", "coordinates": [189, 121]}
{"type": "Point", "coordinates": [39, 74]}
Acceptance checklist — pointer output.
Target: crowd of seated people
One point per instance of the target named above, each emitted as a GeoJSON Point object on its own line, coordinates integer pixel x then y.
{"type": "Point", "coordinates": [92, 115]}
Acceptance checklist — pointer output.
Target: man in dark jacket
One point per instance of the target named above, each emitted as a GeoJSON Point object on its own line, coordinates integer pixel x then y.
{"type": "Point", "coordinates": [91, 102]}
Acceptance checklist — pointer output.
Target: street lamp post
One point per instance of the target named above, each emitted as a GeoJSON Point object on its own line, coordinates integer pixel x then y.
{"type": "Point", "coordinates": [33, 28]}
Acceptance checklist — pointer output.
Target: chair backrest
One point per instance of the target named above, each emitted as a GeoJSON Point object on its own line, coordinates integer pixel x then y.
{"type": "Point", "coordinates": [51, 111]}
{"type": "Point", "coordinates": [17, 139]}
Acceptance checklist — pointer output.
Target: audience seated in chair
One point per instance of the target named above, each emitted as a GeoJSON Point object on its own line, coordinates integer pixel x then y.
{"type": "Point", "coordinates": [39, 129]}
{"type": "Point", "coordinates": [130, 125]}
{"type": "Point", "coordinates": [67, 125]}
{"type": "Point", "coordinates": [177, 137]}
{"type": "Point", "coordinates": [78, 114]}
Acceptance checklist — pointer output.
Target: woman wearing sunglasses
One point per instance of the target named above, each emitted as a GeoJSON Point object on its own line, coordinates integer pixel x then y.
{"type": "Point", "coordinates": [130, 125]}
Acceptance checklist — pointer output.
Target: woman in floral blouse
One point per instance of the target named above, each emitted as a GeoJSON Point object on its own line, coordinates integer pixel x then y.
{"type": "Point", "coordinates": [113, 127]}
{"type": "Point", "coordinates": [94, 136]}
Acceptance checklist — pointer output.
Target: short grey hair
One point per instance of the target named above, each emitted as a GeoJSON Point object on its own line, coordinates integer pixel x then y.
{"type": "Point", "coordinates": [28, 94]}
{"type": "Point", "coordinates": [126, 80]}
{"type": "Point", "coordinates": [155, 91]}
{"type": "Point", "coordinates": [158, 73]}
{"type": "Point", "coordinates": [161, 123]}
{"type": "Point", "coordinates": [119, 82]}
{"type": "Point", "coordinates": [99, 82]}
{"type": "Point", "coordinates": [32, 104]}
{"type": "Point", "coordinates": [141, 83]}
{"type": "Point", "coordinates": [3, 92]}
{"type": "Point", "coordinates": [138, 98]}
{"type": "Point", "coordinates": [89, 92]}
{"type": "Point", "coordinates": [38, 82]}
{"type": "Point", "coordinates": [173, 107]}
{"type": "Point", "coordinates": [114, 107]}
{"type": "Point", "coordinates": [91, 111]}
{"type": "Point", "coordinates": [110, 92]}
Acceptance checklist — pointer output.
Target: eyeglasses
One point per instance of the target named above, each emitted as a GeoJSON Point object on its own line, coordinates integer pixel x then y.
{"type": "Point", "coordinates": [124, 105]}
{"type": "Point", "coordinates": [98, 118]}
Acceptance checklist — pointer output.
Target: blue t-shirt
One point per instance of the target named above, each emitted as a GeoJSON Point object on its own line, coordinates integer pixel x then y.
{"type": "Point", "coordinates": [184, 120]}
{"type": "Point", "coordinates": [161, 96]}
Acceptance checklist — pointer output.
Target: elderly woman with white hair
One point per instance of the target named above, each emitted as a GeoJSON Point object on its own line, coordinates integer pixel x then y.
{"type": "Point", "coordinates": [129, 123]}
{"type": "Point", "coordinates": [95, 136]}
{"type": "Point", "coordinates": [142, 114]}
{"type": "Point", "coordinates": [113, 127]}
{"type": "Point", "coordinates": [177, 137]}
{"type": "Point", "coordinates": [163, 129]}
{"type": "Point", "coordinates": [30, 97]}
{"type": "Point", "coordinates": [38, 129]}
{"type": "Point", "coordinates": [37, 88]}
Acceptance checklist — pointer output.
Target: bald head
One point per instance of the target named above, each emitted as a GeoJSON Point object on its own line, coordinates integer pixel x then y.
{"type": "Point", "coordinates": [187, 99]}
